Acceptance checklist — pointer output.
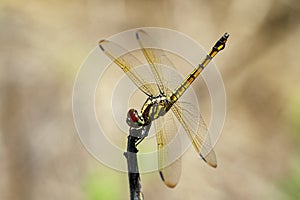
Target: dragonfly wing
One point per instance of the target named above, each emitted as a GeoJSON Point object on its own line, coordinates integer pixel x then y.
{"type": "Point", "coordinates": [199, 136]}
{"type": "Point", "coordinates": [155, 57]}
{"type": "Point", "coordinates": [127, 62]}
{"type": "Point", "coordinates": [168, 146]}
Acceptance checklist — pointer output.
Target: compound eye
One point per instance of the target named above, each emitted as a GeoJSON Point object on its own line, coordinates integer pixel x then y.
{"type": "Point", "coordinates": [133, 115]}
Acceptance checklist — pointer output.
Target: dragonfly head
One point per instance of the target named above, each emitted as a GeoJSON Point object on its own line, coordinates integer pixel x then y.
{"type": "Point", "coordinates": [134, 119]}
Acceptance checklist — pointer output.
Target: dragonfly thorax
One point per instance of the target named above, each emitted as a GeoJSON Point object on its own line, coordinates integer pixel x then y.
{"type": "Point", "coordinates": [155, 107]}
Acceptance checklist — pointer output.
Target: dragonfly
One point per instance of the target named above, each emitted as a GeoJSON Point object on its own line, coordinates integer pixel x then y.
{"type": "Point", "coordinates": [162, 101]}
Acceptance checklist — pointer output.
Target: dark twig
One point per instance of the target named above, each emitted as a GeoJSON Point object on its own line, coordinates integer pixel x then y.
{"type": "Point", "coordinates": [134, 138]}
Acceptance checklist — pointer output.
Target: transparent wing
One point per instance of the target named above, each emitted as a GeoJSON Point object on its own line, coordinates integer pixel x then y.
{"type": "Point", "coordinates": [169, 149]}
{"type": "Point", "coordinates": [197, 131]}
{"type": "Point", "coordinates": [156, 58]}
{"type": "Point", "coordinates": [127, 62]}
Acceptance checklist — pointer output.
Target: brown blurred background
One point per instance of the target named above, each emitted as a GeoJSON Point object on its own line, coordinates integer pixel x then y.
{"type": "Point", "coordinates": [43, 44]}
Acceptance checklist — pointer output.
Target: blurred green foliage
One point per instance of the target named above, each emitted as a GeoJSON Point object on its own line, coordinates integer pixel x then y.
{"type": "Point", "coordinates": [294, 116]}
{"type": "Point", "coordinates": [103, 185]}
{"type": "Point", "coordinates": [291, 185]}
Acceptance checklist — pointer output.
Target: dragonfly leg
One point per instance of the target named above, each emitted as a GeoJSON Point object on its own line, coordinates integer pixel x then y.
{"type": "Point", "coordinates": [139, 133]}
{"type": "Point", "coordinates": [139, 141]}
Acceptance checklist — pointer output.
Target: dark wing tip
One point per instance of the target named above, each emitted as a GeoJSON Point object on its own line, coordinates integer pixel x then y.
{"type": "Point", "coordinates": [138, 32]}
{"type": "Point", "coordinates": [212, 164]}
{"type": "Point", "coordinates": [137, 35]}
{"type": "Point", "coordinates": [161, 176]}
{"type": "Point", "coordinates": [170, 185]}
{"type": "Point", "coordinates": [100, 44]}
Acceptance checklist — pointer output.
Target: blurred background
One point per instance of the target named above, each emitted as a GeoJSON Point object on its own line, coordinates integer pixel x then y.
{"type": "Point", "coordinates": [43, 44]}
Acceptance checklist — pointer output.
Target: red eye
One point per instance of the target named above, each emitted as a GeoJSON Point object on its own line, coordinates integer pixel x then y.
{"type": "Point", "coordinates": [133, 115]}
